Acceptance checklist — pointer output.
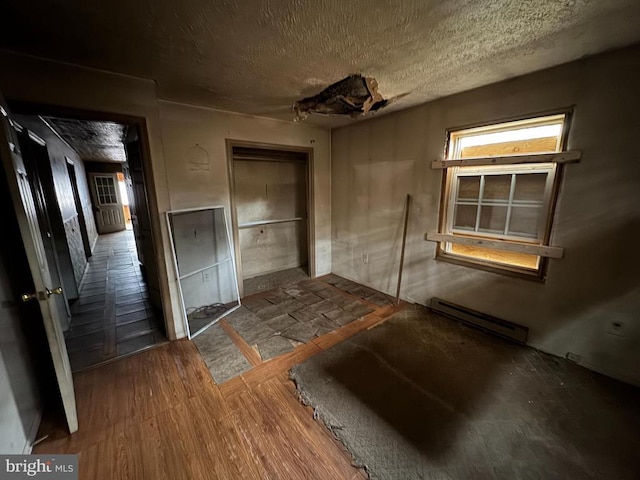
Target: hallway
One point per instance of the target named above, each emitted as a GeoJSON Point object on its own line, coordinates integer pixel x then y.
{"type": "Point", "coordinates": [113, 316]}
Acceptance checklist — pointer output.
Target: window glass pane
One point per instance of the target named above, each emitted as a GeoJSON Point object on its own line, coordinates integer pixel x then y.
{"type": "Point", "coordinates": [492, 219]}
{"type": "Point", "coordinates": [496, 187]}
{"type": "Point", "coordinates": [465, 217]}
{"type": "Point", "coordinates": [524, 221]}
{"type": "Point", "coordinates": [106, 190]}
{"type": "Point", "coordinates": [468, 188]}
{"type": "Point", "coordinates": [530, 187]}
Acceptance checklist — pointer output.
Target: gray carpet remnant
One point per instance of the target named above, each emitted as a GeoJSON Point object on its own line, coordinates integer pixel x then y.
{"type": "Point", "coordinates": [422, 396]}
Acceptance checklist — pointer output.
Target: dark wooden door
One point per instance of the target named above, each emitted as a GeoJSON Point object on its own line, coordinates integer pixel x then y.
{"type": "Point", "coordinates": [140, 218]}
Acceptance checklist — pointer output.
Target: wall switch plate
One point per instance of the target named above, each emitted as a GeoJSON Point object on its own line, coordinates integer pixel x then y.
{"type": "Point", "coordinates": [206, 277]}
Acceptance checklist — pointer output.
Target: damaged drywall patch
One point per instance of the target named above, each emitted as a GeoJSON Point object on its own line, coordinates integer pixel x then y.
{"type": "Point", "coordinates": [354, 95]}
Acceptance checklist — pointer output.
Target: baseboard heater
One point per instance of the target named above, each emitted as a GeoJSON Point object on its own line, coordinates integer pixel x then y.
{"type": "Point", "coordinates": [502, 328]}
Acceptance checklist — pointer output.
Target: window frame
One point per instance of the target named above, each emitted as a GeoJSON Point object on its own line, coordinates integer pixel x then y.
{"type": "Point", "coordinates": [106, 190]}
{"type": "Point", "coordinates": [549, 169]}
{"type": "Point", "coordinates": [448, 180]}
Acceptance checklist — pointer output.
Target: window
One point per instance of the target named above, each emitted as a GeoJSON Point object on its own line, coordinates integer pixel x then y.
{"type": "Point", "coordinates": [106, 190]}
{"type": "Point", "coordinates": [499, 193]}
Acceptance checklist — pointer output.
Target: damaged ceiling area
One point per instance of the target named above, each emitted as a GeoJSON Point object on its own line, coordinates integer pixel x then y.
{"type": "Point", "coordinates": [94, 141]}
{"type": "Point", "coordinates": [354, 96]}
{"type": "Point", "coordinates": [260, 56]}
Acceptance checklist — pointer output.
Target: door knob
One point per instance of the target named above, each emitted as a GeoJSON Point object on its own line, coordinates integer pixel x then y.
{"type": "Point", "coordinates": [55, 291]}
{"type": "Point", "coordinates": [28, 296]}
{"type": "Point", "coordinates": [41, 295]}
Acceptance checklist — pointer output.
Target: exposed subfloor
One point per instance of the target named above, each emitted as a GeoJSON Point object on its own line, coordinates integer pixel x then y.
{"type": "Point", "coordinates": [268, 281]}
{"type": "Point", "coordinates": [113, 316]}
{"type": "Point", "coordinates": [423, 396]}
{"type": "Point", "coordinates": [274, 322]}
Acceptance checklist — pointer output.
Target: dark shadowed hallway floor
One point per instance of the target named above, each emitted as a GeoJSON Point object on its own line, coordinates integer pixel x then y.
{"type": "Point", "coordinates": [113, 316]}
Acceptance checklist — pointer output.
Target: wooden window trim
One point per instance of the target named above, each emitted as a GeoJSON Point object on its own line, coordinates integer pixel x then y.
{"type": "Point", "coordinates": [561, 157]}
{"type": "Point", "coordinates": [572, 156]}
{"type": "Point", "coordinates": [504, 245]}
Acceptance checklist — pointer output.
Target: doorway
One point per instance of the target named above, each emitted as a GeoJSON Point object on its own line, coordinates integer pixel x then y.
{"type": "Point", "coordinates": [108, 205]}
{"type": "Point", "coordinates": [271, 198]}
{"type": "Point", "coordinates": [117, 310]}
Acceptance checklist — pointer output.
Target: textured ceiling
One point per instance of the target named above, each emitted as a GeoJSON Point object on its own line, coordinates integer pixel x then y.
{"type": "Point", "coordinates": [93, 141]}
{"type": "Point", "coordinates": [258, 57]}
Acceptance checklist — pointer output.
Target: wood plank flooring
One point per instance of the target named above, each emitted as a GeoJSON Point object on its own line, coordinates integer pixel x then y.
{"type": "Point", "coordinates": [112, 316]}
{"type": "Point", "coordinates": [159, 415]}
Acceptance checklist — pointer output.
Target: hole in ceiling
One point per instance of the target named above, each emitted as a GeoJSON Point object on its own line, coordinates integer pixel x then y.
{"type": "Point", "coordinates": [354, 95]}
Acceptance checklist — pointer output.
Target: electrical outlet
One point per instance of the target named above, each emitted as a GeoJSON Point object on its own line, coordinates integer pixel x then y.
{"type": "Point", "coordinates": [365, 258]}
{"type": "Point", "coordinates": [616, 327]}
{"type": "Point", "coordinates": [206, 277]}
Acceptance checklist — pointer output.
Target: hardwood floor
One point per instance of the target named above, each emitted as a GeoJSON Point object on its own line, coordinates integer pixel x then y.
{"type": "Point", "coordinates": [159, 415]}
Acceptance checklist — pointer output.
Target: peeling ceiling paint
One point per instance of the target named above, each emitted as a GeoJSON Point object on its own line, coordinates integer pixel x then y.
{"type": "Point", "coordinates": [93, 141]}
{"type": "Point", "coordinates": [258, 57]}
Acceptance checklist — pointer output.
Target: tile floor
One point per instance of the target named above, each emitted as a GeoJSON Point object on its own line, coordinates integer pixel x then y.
{"type": "Point", "coordinates": [262, 283]}
{"type": "Point", "coordinates": [276, 321]}
{"type": "Point", "coordinates": [113, 316]}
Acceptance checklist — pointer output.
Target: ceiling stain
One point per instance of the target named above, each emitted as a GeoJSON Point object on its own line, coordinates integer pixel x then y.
{"type": "Point", "coordinates": [92, 140]}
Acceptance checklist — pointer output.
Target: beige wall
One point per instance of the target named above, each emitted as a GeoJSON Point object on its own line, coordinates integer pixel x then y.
{"type": "Point", "coordinates": [187, 130]}
{"type": "Point", "coordinates": [376, 163]}
{"type": "Point", "coordinates": [173, 129]}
